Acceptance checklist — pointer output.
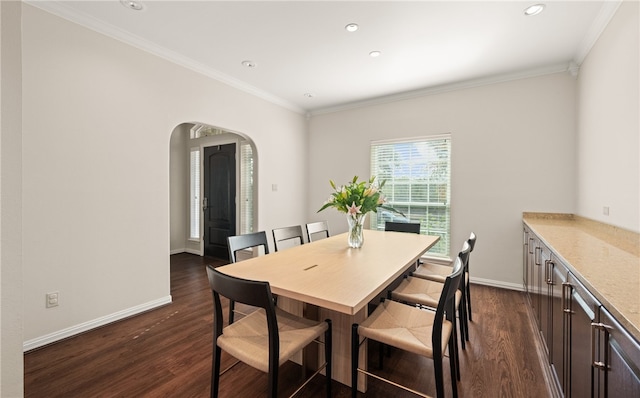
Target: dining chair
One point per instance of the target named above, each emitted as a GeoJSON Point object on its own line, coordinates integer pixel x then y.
{"type": "Point", "coordinates": [288, 235]}
{"type": "Point", "coordinates": [426, 293]}
{"type": "Point", "coordinates": [409, 328]}
{"type": "Point", "coordinates": [317, 230]}
{"type": "Point", "coordinates": [438, 272]}
{"type": "Point", "coordinates": [264, 339]}
{"type": "Point", "coordinates": [409, 227]}
{"type": "Point", "coordinates": [244, 242]}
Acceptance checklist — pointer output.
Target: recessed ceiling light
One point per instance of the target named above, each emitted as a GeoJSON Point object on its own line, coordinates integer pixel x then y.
{"type": "Point", "coordinates": [249, 64]}
{"type": "Point", "coordinates": [534, 9]}
{"type": "Point", "coordinates": [375, 54]}
{"type": "Point", "coordinates": [132, 5]}
{"type": "Point", "coordinates": [352, 27]}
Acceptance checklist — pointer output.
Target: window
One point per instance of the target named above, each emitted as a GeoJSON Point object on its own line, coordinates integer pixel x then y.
{"type": "Point", "coordinates": [417, 175]}
{"type": "Point", "coordinates": [194, 194]}
{"type": "Point", "coordinates": [246, 188]}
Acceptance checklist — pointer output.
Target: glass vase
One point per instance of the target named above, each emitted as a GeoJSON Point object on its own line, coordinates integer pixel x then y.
{"type": "Point", "coordinates": [355, 238]}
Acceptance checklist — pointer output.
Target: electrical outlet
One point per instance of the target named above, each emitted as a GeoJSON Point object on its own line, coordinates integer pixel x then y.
{"type": "Point", "coordinates": [605, 210]}
{"type": "Point", "coordinates": [52, 299]}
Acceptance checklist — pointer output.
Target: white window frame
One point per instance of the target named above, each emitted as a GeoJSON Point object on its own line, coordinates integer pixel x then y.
{"type": "Point", "coordinates": [195, 182]}
{"type": "Point", "coordinates": [247, 187]}
{"type": "Point", "coordinates": [417, 181]}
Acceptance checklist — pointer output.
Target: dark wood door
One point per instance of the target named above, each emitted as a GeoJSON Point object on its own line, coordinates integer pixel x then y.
{"type": "Point", "coordinates": [220, 198]}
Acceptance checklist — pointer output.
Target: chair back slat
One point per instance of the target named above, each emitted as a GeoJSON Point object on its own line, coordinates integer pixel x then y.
{"type": "Point", "coordinates": [287, 234]}
{"type": "Point", "coordinates": [314, 228]}
{"type": "Point", "coordinates": [254, 293]}
{"type": "Point", "coordinates": [472, 241]}
{"type": "Point", "coordinates": [409, 227]}
{"type": "Point", "coordinates": [248, 241]}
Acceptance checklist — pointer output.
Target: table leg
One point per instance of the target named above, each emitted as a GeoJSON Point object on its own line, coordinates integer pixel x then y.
{"type": "Point", "coordinates": [342, 346]}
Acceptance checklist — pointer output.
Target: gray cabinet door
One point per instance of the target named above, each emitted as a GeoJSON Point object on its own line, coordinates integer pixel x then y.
{"type": "Point", "coordinates": [558, 277]}
{"type": "Point", "coordinates": [617, 359]}
{"type": "Point", "coordinates": [582, 310]}
{"type": "Point", "coordinates": [545, 278]}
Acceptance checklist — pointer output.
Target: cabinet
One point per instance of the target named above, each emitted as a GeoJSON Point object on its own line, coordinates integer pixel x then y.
{"type": "Point", "coordinates": [588, 352]}
{"type": "Point", "coordinates": [580, 310]}
{"type": "Point", "coordinates": [616, 359]}
{"type": "Point", "coordinates": [557, 272]}
{"type": "Point", "coordinates": [537, 258]}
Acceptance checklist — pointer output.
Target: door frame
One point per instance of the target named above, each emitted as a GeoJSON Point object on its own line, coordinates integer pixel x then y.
{"type": "Point", "coordinates": [215, 141]}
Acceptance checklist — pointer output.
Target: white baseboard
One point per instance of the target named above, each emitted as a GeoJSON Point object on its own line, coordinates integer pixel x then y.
{"type": "Point", "coordinates": [86, 326]}
{"type": "Point", "coordinates": [499, 284]}
{"type": "Point", "coordinates": [185, 250]}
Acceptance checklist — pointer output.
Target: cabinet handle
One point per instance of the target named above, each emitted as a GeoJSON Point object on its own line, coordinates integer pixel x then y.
{"type": "Point", "coordinates": [566, 325]}
{"type": "Point", "coordinates": [566, 304]}
{"type": "Point", "coordinates": [603, 365]}
{"type": "Point", "coordinates": [548, 271]}
{"type": "Point", "coordinates": [530, 246]}
{"type": "Point", "coordinates": [536, 256]}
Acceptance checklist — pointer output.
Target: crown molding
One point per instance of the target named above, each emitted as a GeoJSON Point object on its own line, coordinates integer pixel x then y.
{"type": "Point", "coordinates": [63, 11]}
{"type": "Point", "coordinates": [462, 85]}
{"type": "Point", "coordinates": [603, 18]}
{"type": "Point", "coordinates": [607, 11]}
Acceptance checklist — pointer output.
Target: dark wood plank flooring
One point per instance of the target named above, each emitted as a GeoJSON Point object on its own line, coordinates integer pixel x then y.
{"type": "Point", "coordinates": [167, 353]}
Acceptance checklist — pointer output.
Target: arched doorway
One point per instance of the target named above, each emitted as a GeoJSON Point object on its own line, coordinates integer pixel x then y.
{"type": "Point", "coordinates": [188, 206]}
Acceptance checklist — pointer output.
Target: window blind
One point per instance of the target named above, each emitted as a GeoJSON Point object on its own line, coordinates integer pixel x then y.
{"type": "Point", "coordinates": [194, 194]}
{"type": "Point", "coordinates": [417, 175]}
{"type": "Point", "coordinates": [246, 188]}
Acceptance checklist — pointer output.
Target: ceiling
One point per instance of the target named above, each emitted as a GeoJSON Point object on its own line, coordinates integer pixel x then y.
{"type": "Point", "coordinates": [305, 59]}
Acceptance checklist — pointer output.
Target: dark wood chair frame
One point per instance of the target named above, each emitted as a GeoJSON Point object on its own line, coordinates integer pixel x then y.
{"type": "Point", "coordinates": [466, 290]}
{"type": "Point", "coordinates": [461, 310]}
{"type": "Point", "coordinates": [257, 294]}
{"type": "Point", "coordinates": [243, 242]}
{"type": "Point", "coordinates": [446, 308]}
{"type": "Point", "coordinates": [287, 233]}
{"type": "Point", "coordinates": [315, 228]}
{"type": "Point", "coordinates": [410, 227]}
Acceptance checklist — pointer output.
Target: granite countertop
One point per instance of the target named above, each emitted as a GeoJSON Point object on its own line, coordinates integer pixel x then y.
{"type": "Point", "coordinates": [606, 259]}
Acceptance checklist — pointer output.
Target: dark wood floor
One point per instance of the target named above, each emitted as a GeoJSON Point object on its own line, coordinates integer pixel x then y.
{"type": "Point", "coordinates": [167, 353]}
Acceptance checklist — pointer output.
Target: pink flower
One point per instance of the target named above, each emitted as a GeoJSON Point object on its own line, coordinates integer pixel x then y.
{"type": "Point", "coordinates": [353, 209]}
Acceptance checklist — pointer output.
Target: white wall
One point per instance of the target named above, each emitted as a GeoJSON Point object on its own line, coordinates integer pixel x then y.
{"type": "Point", "coordinates": [512, 151]}
{"type": "Point", "coordinates": [98, 117]}
{"type": "Point", "coordinates": [609, 125]}
{"type": "Point", "coordinates": [179, 185]}
{"type": "Point", "coordinates": [11, 359]}
{"type": "Point", "coordinates": [97, 120]}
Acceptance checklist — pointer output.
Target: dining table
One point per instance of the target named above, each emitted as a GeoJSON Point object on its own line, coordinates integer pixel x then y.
{"type": "Point", "coordinates": [327, 279]}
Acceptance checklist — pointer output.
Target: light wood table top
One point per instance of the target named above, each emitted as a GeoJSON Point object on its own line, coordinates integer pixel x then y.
{"type": "Point", "coordinates": [330, 274]}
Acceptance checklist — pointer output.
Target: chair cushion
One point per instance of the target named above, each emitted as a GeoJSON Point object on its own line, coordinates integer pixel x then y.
{"type": "Point", "coordinates": [405, 327]}
{"type": "Point", "coordinates": [247, 339]}
{"type": "Point", "coordinates": [419, 291]}
{"type": "Point", "coordinates": [434, 272]}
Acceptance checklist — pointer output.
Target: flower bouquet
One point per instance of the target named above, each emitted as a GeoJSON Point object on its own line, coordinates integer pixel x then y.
{"type": "Point", "coordinates": [357, 199]}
